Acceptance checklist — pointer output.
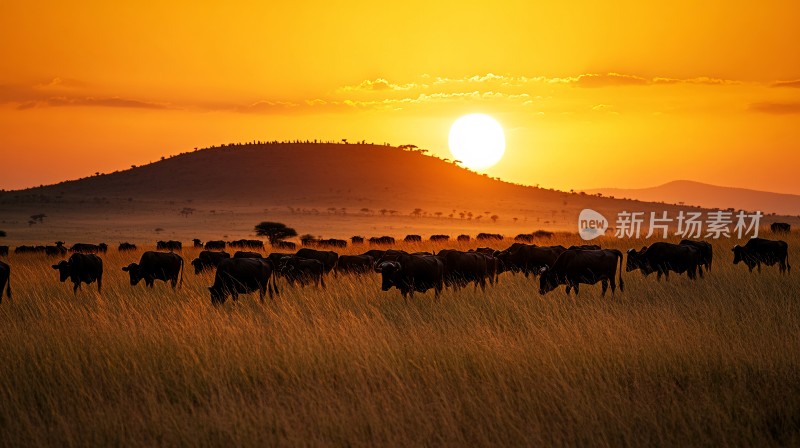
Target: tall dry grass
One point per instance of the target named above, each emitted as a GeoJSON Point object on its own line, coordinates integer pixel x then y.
{"type": "Point", "coordinates": [713, 362]}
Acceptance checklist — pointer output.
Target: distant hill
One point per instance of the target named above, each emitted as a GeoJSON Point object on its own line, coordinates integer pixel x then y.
{"type": "Point", "coordinates": [711, 196]}
{"type": "Point", "coordinates": [305, 175]}
{"type": "Point", "coordinates": [335, 190]}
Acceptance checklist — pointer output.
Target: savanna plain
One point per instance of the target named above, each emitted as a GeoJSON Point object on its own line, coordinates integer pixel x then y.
{"type": "Point", "coordinates": [712, 362]}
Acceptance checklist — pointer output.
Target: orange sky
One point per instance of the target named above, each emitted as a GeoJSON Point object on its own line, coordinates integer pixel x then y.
{"type": "Point", "coordinates": [591, 94]}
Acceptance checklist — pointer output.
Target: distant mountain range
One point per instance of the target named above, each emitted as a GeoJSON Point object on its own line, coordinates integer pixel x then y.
{"type": "Point", "coordinates": [710, 196]}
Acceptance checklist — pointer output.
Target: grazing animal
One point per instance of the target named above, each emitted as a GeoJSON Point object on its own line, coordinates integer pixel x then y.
{"type": "Point", "coordinates": [29, 249]}
{"type": "Point", "coordinates": [5, 280]}
{"type": "Point", "coordinates": [706, 252]}
{"type": "Point", "coordinates": [156, 266]}
{"type": "Point", "coordinates": [247, 244]}
{"type": "Point", "coordinates": [390, 255]}
{"type": "Point", "coordinates": [514, 247]}
{"type": "Point", "coordinates": [585, 247]}
{"type": "Point", "coordinates": [208, 260]}
{"type": "Point", "coordinates": [381, 240]}
{"type": "Point", "coordinates": [486, 250]}
{"type": "Point", "coordinates": [285, 245]}
{"type": "Point", "coordinates": [463, 238]}
{"type": "Point", "coordinates": [528, 258]}
{"type": "Point", "coordinates": [376, 254]}
{"type": "Point", "coordinates": [214, 245]}
{"type": "Point", "coordinates": [242, 276]}
{"type": "Point", "coordinates": [245, 254]}
{"type": "Point", "coordinates": [357, 240]}
{"type": "Point", "coordinates": [760, 251]}
{"type": "Point", "coordinates": [3, 251]}
{"type": "Point", "coordinates": [574, 267]}
{"type": "Point", "coordinates": [302, 270]}
{"type": "Point", "coordinates": [84, 248]}
{"type": "Point", "coordinates": [493, 264]}
{"type": "Point", "coordinates": [170, 245]}
{"type": "Point", "coordinates": [440, 238]}
{"type": "Point", "coordinates": [780, 227]}
{"type": "Point", "coordinates": [327, 258]}
{"type": "Point", "coordinates": [81, 268]}
{"type": "Point", "coordinates": [524, 238]}
{"type": "Point", "coordinates": [489, 236]}
{"type": "Point", "coordinates": [494, 267]}
{"type": "Point", "coordinates": [276, 257]}
{"type": "Point", "coordinates": [308, 240]}
{"type": "Point", "coordinates": [56, 251]}
{"type": "Point", "coordinates": [356, 264]}
{"type": "Point", "coordinates": [197, 243]}
{"type": "Point", "coordinates": [461, 268]}
{"type": "Point", "coordinates": [126, 247]}
{"type": "Point", "coordinates": [412, 239]}
{"type": "Point", "coordinates": [412, 273]}
{"type": "Point", "coordinates": [332, 242]}
{"type": "Point", "coordinates": [664, 257]}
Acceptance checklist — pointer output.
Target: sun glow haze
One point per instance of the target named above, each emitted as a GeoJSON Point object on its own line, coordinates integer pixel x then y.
{"type": "Point", "coordinates": [700, 90]}
{"type": "Point", "coordinates": [477, 140]}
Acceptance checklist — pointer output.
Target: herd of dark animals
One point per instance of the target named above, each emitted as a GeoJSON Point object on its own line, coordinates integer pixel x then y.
{"type": "Point", "coordinates": [248, 271]}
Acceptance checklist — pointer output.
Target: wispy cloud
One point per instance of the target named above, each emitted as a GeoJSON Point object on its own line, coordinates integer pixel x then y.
{"type": "Point", "coordinates": [381, 84]}
{"type": "Point", "coordinates": [66, 93]}
{"type": "Point", "coordinates": [439, 98]}
{"type": "Point", "coordinates": [63, 101]}
{"type": "Point", "coordinates": [699, 80]}
{"type": "Point", "coordinates": [316, 105]}
{"type": "Point", "coordinates": [777, 108]}
{"type": "Point", "coordinates": [500, 90]}
{"type": "Point", "coordinates": [538, 94]}
{"type": "Point", "coordinates": [590, 80]}
{"type": "Point", "coordinates": [608, 80]}
{"type": "Point", "coordinates": [266, 107]}
{"type": "Point", "coordinates": [496, 90]}
{"type": "Point", "coordinates": [59, 83]}
{"type": "Point", "coordinates": [489, 78]}
{"type": "Point", "coordinates": [795, 84]}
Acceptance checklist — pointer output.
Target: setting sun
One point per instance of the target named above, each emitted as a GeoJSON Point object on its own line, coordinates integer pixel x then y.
{"type": "Point", "coordinates": [477, 140]}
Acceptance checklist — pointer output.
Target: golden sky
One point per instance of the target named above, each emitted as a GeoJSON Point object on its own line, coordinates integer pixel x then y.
{"type": "Point", "coordinates": [591, 94]}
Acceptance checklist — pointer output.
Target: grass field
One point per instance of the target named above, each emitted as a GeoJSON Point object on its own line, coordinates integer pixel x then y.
{"type": "Point", "coordinates": [709, 363]}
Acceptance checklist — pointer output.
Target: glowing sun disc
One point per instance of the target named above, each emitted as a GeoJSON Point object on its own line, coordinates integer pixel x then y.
{"type": "Point", "coordinates": [477, 140]}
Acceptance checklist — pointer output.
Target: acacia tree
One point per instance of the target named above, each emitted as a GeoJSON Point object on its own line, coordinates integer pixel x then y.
{"type": "Point", "coordinates": [186, 211]}
{"type": "Point", "coordinates": [274, 231]}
